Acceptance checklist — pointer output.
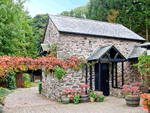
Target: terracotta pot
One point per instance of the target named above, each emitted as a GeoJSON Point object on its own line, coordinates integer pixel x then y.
{"type": "Point", "coordinates": [92, 99]}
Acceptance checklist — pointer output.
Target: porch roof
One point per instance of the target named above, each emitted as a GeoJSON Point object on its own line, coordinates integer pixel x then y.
{"type": "Point", "coordinates": [102, 50]}
{"type": "Point", "coordinates": [136, 51]}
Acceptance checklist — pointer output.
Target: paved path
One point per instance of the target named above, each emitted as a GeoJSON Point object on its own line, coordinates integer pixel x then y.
{"type": "Point", "coordinates": [23, 97]}
{"type": "Point", "coordinates": [29, 101]}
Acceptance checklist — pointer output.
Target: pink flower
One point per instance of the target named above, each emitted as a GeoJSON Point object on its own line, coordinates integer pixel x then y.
{"type": "Point", "coordinates": [0, 105]}
{"type": "Point", "coordinates": [75, 94]}
{"type": "Point", "coordinates": [75, 91]}
{"type": "Point", "coordinates": [101, 93]}
{"type": "Point", "coordinates": [4, 103]}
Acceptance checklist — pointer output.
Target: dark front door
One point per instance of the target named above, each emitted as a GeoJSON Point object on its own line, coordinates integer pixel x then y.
{"type": "Point", "coordinates": [104, 78]}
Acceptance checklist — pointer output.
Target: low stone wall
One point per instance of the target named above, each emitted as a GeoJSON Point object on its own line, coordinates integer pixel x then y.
{"type": "Point", "coordinates": [52, 88]}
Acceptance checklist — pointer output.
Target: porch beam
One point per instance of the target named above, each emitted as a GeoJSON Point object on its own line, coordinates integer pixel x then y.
{"type": "Point", "coordinates": [122, 73]}
{"type": "Point", "coordinates": [99, 77]}
{"type": "Point", "coordinates": [91, 77]}
{"type": "Point", "coordinates": [112, 74]}
{"type": "Point", "coordinates": [86, 75]}
{"type": "Point", "coordinates": [116, 76]}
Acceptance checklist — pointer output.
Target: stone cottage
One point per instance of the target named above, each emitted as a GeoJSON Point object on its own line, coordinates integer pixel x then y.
{"type": "Point", "coordinates": [109, 44]}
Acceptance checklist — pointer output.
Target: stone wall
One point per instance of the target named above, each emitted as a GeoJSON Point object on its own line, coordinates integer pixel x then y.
{"type": "Point", "coordinates": [51, 35]}
{"type": "Point", "coordinates": [52, 88]}
{"type": "Point", "coordinates": [82, 47]}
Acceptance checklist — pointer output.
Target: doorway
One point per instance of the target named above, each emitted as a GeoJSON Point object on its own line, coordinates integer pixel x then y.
{"type": "Point", "coordinates": [104, 78]}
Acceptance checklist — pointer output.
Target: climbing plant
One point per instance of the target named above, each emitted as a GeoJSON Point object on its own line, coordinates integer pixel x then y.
{"type": "Point", "coordinates": [143, 66]}
{"type": "Point", "coordinates": [59, 72]}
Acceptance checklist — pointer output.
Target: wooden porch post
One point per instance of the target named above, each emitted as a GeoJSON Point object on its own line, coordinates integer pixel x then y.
{"type": "Point", "coordinates": [112, 74]}
{"type": "Point", "coordinates": [122, 73]}
{"type": "Point", "coordinates": [116, 76]}
{"type": "Point", "coordinates": [90, 77]}
{"type": "Point", "coordinates": [99, 77]}
{"type": "Point", "coordinates": [86, 70]}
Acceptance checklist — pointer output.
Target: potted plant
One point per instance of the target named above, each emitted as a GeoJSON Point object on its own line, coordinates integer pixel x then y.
{"type": "Point", "coordinates": [69, 94]}
{"type": "Point", "coordinates": [76, 99]}
{"type": "Point", "coordinates": [101, 98]}
{"type": "Point", "coordinates": [132, 96]}
{"type": "Point", "coordinates": [92, 96]}
{"type": "Point", "coordinates": [83, 94]}
{"type": "Point", "coordinates": [146, 101]}
{"type": "Point", "coordinates": [3, 93]}
{"type": "Point", "coordinates": [2, 106]}
{"type": "Point", "coordinates": [98, 94]}
{"type": "Point", "coordinates": [66, 99]}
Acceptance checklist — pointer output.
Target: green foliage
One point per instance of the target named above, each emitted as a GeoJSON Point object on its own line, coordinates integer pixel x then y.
{"type": "Point", "coordinates": [39, 25]}
{"type": "Point", "coordinates": [4, 92]}
{"type": "Point", "coordinates": [143, 62]}
{"type": "Point", "coordinates": [76, 98]}
{"type": "Point", "coordinates": [134, 14]}
{"type": "Point", "coordinates": [59, 72]}
{"type": "Point", "coordinates": [40, 87]}
{"type": "Point", "coordinates": [16, 36]}
{"type": "Point", "coordinates": [78, 12]}
{"type": "Point", "coordinates": [101, 97]}
{"type": "Point", "coordinates": [143, 66]}
{"type": "Point", "coordinates": [11, 80]}
{"type": "Point", "coordinates": [92, 94]}
{"type": "Point", "coordinates": [26, 80]}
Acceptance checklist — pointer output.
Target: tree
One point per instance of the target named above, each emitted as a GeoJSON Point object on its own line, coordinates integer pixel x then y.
{"type": "Point", "coordinates": [111, 16]}
{"type": "Point", "coordinates": [39, 24]}
{"type": "Point", "coordinates": [65, 13]}
{"type": "Point", "coordinates": [15, 30]}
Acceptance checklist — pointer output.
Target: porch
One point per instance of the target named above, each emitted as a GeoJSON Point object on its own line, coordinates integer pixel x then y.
{"type": "Point", "coordinates": [107, 58]}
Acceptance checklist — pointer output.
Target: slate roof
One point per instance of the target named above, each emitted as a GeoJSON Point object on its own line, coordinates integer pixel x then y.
{"type": "Point", "coordinates": [137, 50]}
{"type": "Point", "coordinates": [92, 27]}
{"type": "Point", "coordinates": [100, 51]}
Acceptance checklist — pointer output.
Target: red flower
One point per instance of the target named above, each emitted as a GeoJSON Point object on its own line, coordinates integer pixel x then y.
{"type": "Point", "coordinates": [145, 107]}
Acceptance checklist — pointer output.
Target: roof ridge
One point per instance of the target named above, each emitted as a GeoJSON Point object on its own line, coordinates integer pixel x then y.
{"type": "Point", "coordinates": [84, 19]}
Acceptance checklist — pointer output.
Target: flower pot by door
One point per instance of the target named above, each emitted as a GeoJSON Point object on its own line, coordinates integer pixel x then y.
{"type": "Point", "coordinates": [2, 108]}
{"type": "Point", "coordinates": [98, 100]}
{"type": "Point", "coordinates": [65, 100]}
{"type": "Point", "coordinates": [133, 101]}
{"type": "Point", "coordinates": [92, 99]}
{"type": "Point", "coordinates": [101, 100]}
{"type": "Point", "coordinates": [76, 102]}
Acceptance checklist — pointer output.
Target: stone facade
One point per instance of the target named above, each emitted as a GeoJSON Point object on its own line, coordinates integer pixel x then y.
{"type": "Point", "coordinates": [82, 46]}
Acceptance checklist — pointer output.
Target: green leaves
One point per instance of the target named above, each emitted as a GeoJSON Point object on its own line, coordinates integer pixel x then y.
{"type": "Point", "coordinates": [59, 72]}
{"type": "Point", "coordinates": [16, 35]}
{"type": "Point", "coordinates": [11, 80]}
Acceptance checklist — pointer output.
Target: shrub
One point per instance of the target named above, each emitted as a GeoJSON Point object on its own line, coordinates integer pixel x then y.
{"type": "Point", "coordinates": [11, 80]}
{"type": "Point", "coordinates": [4, 92]}
{"type": "Point", "coordinates": [26, 80]}
{"type": "Point", "coordinates": [40, 87]}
